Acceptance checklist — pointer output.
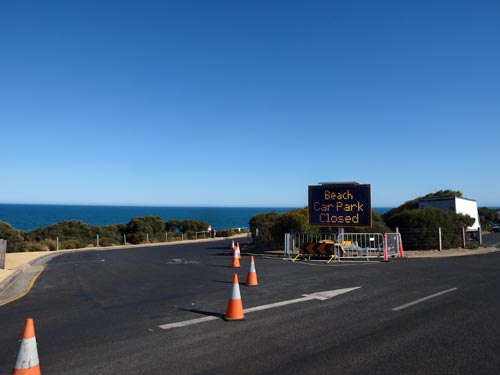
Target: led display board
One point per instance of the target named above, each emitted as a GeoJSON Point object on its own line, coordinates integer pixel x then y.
{"type": "Point", "coordinates": [340, 205]}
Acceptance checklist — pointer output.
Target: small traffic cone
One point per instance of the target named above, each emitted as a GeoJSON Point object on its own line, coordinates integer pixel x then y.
{"type": "Point", "coordinates": [401, 251]}
{"type": "Point", "coordinates": [252, 274]}
{"type": "Point", "coordinates": [27, 359]}
{"type": "Point", "coordinates": [234, 309]}
{"type": "Point", "coordinates": [386, 253]}
{"type": "Point", "coordinates": [236, 260]}
{"type": "Point", "coordinates": [238, 250]}
{"type": "Point", "coordinates": [233, 247]}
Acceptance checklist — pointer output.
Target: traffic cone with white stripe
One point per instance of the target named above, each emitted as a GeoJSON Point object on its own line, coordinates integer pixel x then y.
{"type": "Point", "coordinates": [27, 359]}
{"type": "Point", "coordinates": [233, 247]}
{"type": "Point", "coordinates": [234, 309]}
{"type": "Point", "coordinates": [238, 250]}
{"type": "Point", "coordinates": [386, 252]}
{"type": "Point", "coordinates": [236, 260]}
{"type": "Point", "coordinates": [252, 274]}
{"type": "Point", "coordinates": [401, 251]}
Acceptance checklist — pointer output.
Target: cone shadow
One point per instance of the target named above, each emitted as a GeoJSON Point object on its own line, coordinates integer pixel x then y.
{"type": "Point", "coordinates": [206, 313]}
{"type": "Point", "coordinates": [222, 282]}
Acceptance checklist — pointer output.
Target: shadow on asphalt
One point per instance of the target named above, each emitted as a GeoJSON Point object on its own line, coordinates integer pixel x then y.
{"type": "Point", "coordinates": [206, 313]}
{"type": "Point", "coordinates": [220, 266]}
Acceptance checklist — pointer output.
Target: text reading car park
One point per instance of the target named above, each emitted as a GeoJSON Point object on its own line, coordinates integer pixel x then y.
{"type": "Point", "coordinates": [338, 206]}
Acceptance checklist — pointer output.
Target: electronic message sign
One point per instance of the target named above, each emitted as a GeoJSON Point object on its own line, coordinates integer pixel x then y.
{"type": "Point", "coordinates": [340, 205]}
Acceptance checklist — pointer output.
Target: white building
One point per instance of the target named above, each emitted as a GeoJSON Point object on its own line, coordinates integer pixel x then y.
{"type": "Point", "coordinates": [457, 205]}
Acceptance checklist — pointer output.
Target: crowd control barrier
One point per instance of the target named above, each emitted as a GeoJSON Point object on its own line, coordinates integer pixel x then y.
{"type": "Point", "coordinates": [346, 246]}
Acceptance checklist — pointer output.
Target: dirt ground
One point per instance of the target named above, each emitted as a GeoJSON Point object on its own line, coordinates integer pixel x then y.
{"type": "Point", "coordinates": [448, 252]}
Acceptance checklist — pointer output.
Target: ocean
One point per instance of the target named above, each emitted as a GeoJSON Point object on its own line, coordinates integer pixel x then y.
{"type": "Point", "coordinates": [30, 216]}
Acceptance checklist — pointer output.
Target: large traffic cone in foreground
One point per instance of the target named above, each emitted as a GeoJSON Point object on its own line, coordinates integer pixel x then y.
{"type": "Point", "coordinates": [252, 274]}
{"type": "Point", "coordinates": [27, 359]}
{"type": "Point", "coordinates": [236, 260]}
{"type": "Point", "coordinates": [234, 309]}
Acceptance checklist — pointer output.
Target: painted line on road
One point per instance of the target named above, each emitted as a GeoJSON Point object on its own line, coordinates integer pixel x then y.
{"type": "Point", "coordinates": [188, 322]}
{"type": "Point", "coordinates": [423, 299]}
{"type": "Point", "coordinates": [321, 296]}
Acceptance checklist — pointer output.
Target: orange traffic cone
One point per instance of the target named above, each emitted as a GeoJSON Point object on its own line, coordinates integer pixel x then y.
{"type": "Point", "coordinates": [236, 260]}
{"type": "Point", "coordinates": [27, 359]}
{"type": "Point", "coordinates": [401, 251]}
{"type": "Point", "coordinates": [234, 309]}
{"type": "Point", "coordinates": [238, 250]}
{"type": "Point", "coordinates": [233, 247]}
{"type": "Point", "coordinates": [252, 274]}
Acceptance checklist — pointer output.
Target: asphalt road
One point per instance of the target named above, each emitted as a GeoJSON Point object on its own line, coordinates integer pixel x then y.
{"type": "Point", "coordinates": [100, 312]}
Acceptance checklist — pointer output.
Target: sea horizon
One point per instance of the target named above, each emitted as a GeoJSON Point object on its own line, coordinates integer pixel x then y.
{"type": "Point", "coordinates": [29, 216]}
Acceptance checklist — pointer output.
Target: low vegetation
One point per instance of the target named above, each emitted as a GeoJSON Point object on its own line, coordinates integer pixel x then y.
{"type": "Point", "coordinates": [418, 227]}
{"type": "Point", "coordinates": [76, 234]}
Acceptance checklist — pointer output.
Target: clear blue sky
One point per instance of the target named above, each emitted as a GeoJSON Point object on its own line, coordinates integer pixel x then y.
{"type": "Point", "coordinates": [246, 103]}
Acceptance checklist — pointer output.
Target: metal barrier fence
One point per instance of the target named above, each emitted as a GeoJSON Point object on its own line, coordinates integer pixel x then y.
{"type": "Point", "coordinates": [295, 241]}
{"type": "Point", "coordinates": [361, 245]}
{"type": "Point", "coordinates": [345, 246]}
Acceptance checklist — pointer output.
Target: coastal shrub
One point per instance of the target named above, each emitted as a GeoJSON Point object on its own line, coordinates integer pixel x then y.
{"type": "Point", "coordinates": [65, 231]}
{"type": "Point", "coordinates": [272, 226]}
{"type": "Point", "coordinates": [14, 238]}
{"type": "Point", "coordinates": [378, 226]}
{"type": "Point", "coordinates": [184, 226]}
{"type": "Point", "coordinates": [419, 228]}
{"type": "Point", "coordinates": [174, 236]}
{"type": "Point", "coordinates": [35, 246]}
{"type": "Point", "coordinates": [139, 229]}
{"type": "Point", "coordinates": [413, 204]}
{"type": "Point", "coordinates": [106, 241]}
{"type": "Point", "coordinates": [49, 244]}
{"type": "Point", "coordinates": [174, 226]}
{"type": "Point", "coordinates": [194, 226]}
{"type": "Point", "coordinates": [261, 227]}
{"type": "Point", "coordinates": [72, 244]}
{"type": "Point", "coordinates": [113, 233]}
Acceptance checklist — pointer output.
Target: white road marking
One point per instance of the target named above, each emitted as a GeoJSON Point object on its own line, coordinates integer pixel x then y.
{"type": "Point", "coordinates": [321, 296]}
{"type": "Point", "coordinates": [188, 322]}
{"type": "Point", "coordinates": [424, 299]}
{"type": "Point", "coordinates": [181, 261]}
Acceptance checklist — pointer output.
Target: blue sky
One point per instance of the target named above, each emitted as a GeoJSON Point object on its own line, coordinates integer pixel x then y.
{"type": "Point", "coordinates": [246, 103]}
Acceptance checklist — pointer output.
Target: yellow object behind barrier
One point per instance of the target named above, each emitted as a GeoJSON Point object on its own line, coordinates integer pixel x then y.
{"type": "Point", "coordinates": [322, 248]}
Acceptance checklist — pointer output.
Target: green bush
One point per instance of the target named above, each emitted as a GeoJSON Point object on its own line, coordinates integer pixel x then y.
{"type": "Point", "coordinates": [261, 227]}
{"type": "Point", "coordinates": [106, 241]}
{"type": "Point", "coordinates": [15, 241]}
{"type": "Point", "coordinates": [72, 244]}
{"type": "Point", "coordinates": [140, 228]}
{"type": "Point", "coordinates": [65, 231]}
{"type": "Point", "coordinates": [419, 228]}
